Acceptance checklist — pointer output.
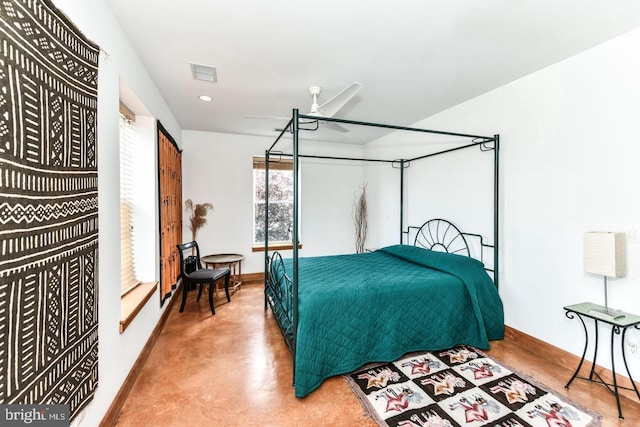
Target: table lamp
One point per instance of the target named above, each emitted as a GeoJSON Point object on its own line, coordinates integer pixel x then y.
{"type": "Point", "coordinates": [605, 254]}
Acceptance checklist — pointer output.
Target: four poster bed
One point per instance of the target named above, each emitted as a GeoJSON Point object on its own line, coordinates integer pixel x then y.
{"type": "Point", "coordinates": [339, 312]}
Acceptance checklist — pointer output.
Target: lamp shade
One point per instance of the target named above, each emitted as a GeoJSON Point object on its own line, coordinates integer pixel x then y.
{"type": "Point", "coordinates": [605, 253]}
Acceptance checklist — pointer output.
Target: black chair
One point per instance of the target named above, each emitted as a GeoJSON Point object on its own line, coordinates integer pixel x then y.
{"type": "Point", "coordinates": [191, 277]}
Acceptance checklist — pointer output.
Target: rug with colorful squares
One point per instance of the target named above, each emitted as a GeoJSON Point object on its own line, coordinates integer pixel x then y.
{"type": "Point", "coordinates": [461, 387]}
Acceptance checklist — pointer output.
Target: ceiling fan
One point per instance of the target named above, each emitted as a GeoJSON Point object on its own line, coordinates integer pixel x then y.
{"type": "Point", "coordinates": [326, 110]}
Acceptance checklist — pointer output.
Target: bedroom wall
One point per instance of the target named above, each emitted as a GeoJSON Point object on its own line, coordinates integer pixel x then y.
{"type": "Point", "coordinates": [569, 164]}
{"type": "Point", "coordinates": [447, 186]}
{"type": "Point", "coordinates": [117, 352]}
{"type": "Point", "coordinates": [217, 168]}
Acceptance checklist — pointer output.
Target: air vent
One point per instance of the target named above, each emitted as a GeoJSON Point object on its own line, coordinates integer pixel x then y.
{"type": "Point", "coordinates": [205, 73]}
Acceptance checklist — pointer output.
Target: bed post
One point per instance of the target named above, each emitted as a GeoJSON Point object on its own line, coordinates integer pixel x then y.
{"type": "Point", "coordinates": [296, 201]}
{"type": "Point", "coordinates": [401, 198]}
{"type": "Point", "coordinates": [496, 210]}
{"type": "Point", "coordinates": [266, 224]}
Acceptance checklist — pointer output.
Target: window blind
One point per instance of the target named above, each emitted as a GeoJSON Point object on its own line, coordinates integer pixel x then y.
{"type": "Point", "coordinates": [275, 163]}
{"type": "Point", "coordinates": [128, 277]}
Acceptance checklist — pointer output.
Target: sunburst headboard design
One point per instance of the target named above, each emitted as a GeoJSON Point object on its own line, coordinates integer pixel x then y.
{"type": "Point", "coordinates": [441, 235]}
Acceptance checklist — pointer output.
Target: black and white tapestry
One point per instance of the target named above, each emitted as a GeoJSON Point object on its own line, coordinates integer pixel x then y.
{"type": "Point", "coordinates": [48, 208]}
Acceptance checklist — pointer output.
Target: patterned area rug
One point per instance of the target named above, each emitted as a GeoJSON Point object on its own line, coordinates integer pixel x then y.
{"type": "Point", "coordinates": [48, 208]}
{"type": "Point", "coordinates": [460, 387]}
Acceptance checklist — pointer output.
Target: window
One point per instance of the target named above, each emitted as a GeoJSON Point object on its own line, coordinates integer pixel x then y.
{"type": "Point", "coordinates": [280, 200]}
{"type": "Point", "coordinates": [137, 214]}
{"type": "Point", "coordinates": [128, 279]}
{"type": "Point", "coordinates": [138, 199]}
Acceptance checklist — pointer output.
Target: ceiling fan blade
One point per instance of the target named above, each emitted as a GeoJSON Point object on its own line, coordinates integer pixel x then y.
{"type": "Point", "coordinates": [335, 127]}
{"type": "Point", "coordinates": [331, 107]}
{"type": "Point", "coordinates": [268, 117]}
{"type": "Point", "coordinates": [302, 121]}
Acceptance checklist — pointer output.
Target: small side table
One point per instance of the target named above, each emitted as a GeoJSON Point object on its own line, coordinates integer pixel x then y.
{"type": "Point", "coordinates": [233, 261]}
{"type": "Point", "coordinates": [584, 310]}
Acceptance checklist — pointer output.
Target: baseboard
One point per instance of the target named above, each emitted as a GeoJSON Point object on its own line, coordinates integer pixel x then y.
{"type": "Point", "coordinates": [252, 278]}
{"type": "Point", "coordinates": [563, 358]}
{"type": "Point", "coordinates": [112, 414]}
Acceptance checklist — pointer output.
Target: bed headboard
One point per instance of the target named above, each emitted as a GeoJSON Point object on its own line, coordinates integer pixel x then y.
{"type": "Point", "coordinates": [441, 235]}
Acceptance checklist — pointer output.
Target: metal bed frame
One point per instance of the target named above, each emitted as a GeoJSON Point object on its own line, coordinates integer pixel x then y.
{"type": "Point", "coordinates": [440, 235]}
{"type": "Point", "coordinates": [281, 291]}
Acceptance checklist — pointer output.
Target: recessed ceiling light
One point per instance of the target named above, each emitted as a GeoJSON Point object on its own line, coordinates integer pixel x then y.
{"type": "Point", "coordinates": [206, 98]}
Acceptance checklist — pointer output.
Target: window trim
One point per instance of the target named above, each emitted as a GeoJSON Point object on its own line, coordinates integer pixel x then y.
{"type": "Point", "coordinates": [132, 302]}
{"type": "Point", "coordinates": [275, 246]}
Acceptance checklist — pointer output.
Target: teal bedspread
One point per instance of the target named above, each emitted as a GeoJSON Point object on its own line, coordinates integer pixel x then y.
{"type": "Point", "coordinates": [377, 306]}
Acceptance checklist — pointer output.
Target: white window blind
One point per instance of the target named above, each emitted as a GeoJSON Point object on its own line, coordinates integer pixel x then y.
{"type": "Point", "coordinates": [127, 208]}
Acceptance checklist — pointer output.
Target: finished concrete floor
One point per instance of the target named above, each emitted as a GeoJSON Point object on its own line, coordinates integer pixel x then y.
{"type": "Point", "coordinates": [233, 369]}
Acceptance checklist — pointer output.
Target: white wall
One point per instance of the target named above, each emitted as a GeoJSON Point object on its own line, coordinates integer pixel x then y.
{"type": "Point", "coordinates": [569, 164]}
{"type": "Point", "coordinates": [217, 168]}
{"type": "Point", "coordinates": [449, 185]}
{"type": "Point", "coordinates": [117, 352]}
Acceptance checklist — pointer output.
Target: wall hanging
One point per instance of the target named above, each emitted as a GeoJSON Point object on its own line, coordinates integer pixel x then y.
{"type": "Point", "coordinates": [48, 208]}
{"type": "Point", "coordinates": [170, 198]}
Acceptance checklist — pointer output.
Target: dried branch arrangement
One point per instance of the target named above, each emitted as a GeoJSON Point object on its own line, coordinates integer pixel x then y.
{"type": "Point", "coordinates": [360, 220]}
{"type": "Point", "coordinates": [198, 217]}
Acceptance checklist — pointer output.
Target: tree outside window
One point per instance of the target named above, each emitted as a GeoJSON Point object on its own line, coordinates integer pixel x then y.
{"type": "Point", "coordinates": [280, 200]}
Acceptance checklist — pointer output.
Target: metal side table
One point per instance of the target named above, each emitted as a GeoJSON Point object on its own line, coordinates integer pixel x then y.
{"type": "Point", "coordinates": [233, 261]}
{"type": "Point", "coordinates": [618, 325]}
